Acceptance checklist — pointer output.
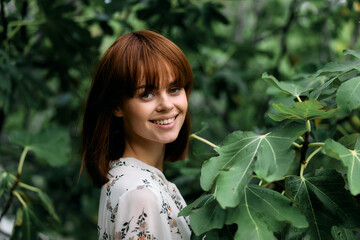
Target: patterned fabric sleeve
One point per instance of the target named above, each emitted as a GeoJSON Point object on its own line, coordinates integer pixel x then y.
{"type": "Point", "coordinates": [140, 215]}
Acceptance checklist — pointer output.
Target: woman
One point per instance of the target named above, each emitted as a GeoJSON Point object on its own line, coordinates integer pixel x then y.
{"type": "Point", "coordinates": [136, 117]}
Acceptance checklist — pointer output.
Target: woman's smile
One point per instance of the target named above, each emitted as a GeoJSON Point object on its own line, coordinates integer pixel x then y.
{"type": "Point", "coordinates": [164, 121]}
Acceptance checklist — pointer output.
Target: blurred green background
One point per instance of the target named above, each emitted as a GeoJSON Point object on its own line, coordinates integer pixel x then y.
{"type": "Point", "coordinates": [49, 49]}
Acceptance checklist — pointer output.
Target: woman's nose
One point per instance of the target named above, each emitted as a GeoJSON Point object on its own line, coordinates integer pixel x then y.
{"type": "Point", "coordinates": [164, 103]}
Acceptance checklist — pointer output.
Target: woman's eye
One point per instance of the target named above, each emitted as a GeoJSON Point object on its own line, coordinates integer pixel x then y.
{"type": "Point", "coordinates": [147, 95]}
{"type": "Point", "coordinates": [174, 90]}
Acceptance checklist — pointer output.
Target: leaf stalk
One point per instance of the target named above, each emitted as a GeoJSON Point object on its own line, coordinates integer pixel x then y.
{"type": "Point", "coordinates": [203, 140]}
{"type": "Point", "coordinates": [21, 200]}
{"type": "Point", "coordinates": [22, 159]}
{"type": "Point", "coordinates": [312, 155]}
{"type": "Point", "coordinates": [317, 144]}
{"type": "Point", "coordinates": [296, 145]}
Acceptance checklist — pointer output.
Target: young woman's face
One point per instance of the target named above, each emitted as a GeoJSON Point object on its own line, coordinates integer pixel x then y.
{"type": "Point", "coordinates": [156, 116]}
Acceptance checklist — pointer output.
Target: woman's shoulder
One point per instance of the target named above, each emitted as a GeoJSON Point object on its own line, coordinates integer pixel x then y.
{"type": "Point", "coordinates": [124, 177]}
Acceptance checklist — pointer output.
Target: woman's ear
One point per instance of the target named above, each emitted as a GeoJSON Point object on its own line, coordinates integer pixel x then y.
{"type": "Point", "coordinates": [118, 112]}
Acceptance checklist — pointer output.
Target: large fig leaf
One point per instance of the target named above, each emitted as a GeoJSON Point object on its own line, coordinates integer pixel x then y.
{"type": "Point", "coordinates": [262, 212]}
{"type": "Point", "coordinates": [209, 216]}
{"type": "Point", "coordinates": [350, 158]}
{"type": "Point", "coordinates": [51, 145]}
{"type": "Point", "coordinates": [306, 110]}
{"type": "Point", "coordinates": [286, 87]}
{"type": "Point", "coordinates": [241, 154]}
{"type": "Point", "coordinates": [348, 96]}
{"type": "Point", "coordinates": [324, 201]}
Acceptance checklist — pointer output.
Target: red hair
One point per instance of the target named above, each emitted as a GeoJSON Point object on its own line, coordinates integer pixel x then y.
{"type": "Point", "coordinates": [132, 57]}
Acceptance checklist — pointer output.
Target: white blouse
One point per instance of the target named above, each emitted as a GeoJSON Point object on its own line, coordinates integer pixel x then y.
{"type": "Point", "coordinates": [139, 203]}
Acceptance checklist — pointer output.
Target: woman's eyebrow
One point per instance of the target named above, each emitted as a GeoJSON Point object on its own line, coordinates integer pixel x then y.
{"type": "Point", "coordinates": [174, 82]}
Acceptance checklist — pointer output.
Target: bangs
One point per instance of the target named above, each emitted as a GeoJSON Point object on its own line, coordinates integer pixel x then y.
{"type": "Point", "coordinates": [153, 65]}
{"type": "Point", "coordinates": [156, 72]}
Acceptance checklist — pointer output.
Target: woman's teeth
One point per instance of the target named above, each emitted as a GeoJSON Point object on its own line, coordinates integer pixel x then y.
{"type": "Point", "coordinates": [163, 122]}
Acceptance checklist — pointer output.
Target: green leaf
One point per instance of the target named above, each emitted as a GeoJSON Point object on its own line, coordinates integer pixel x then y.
{"type": "Point", "coordinates": [241, 154]}
{"type": "Point", "coordinates": [196, 204]}
{"type": "Point", "coordinates": [46, 145]}
{"type": "Point", "coordinates": [5, 182]}
{"type": "Point", "coordinates": [355, 53]}
{"type": "Point", "coordinates": [262, 212]}
{"type": "Point", "coordinates": [348, 96]}
{"type": "Point", "coordinates": [342, 233]}
{"type": "Point", "coordinates": [349, 141]}
{"type": "Point", "coordinates": [286, 87]}
{"type": "Point", "coordinates": [306, 110]}
{"type": "Point", "coordinates": [339, 69]}
{"type": "Point", "coordinates": [333, 67]}
{"type": "Point", "coordinates": [350, 159]}
{"type": "Point", "coordinates": [210, 216]}
{"type": "Point", "coordinates": [324, 201]}
{"type": "Point", "coordinates": [47, 202]}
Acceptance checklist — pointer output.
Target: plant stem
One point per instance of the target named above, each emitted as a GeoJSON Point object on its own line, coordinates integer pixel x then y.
{"type": "Point", "coordinates": [26, 186]}
{"type": "Point", "coordinates": [296, 145]}
{"type": "Point", "coordinates": [298, 98]}
{"type": "Point", "coordinates": [302, 171]}
{"type": "Point", "coordinates": [308, 125]}
{"type": "Point", "coordinates": [203, 140]}
{"type": "Point", "coordinates": [312, 155]}
{"type": "Point", "coordinates": [317, 144]}
{"type": "Point", "coordinates": [22, 159]}
{"type": "Point", "coordinates": [16, 183]}
{"type": "Point", "coordinates": [20, 198]}
{"type": "Point", "coordinates": [304, 148]}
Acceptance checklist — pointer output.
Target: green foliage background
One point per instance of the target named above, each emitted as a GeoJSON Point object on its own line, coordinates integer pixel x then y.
{"type": "Point", "coordinates": [47, 57]}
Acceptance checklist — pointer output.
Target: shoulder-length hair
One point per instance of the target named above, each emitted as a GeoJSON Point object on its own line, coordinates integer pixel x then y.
{"type": "Point", "coordinates": [131, 58]}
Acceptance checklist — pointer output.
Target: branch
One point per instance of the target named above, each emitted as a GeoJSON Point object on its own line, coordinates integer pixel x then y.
{"type": "Point", "coordinates": [304, 148]}
{"type": "Point", "coordinates": [16, 183]}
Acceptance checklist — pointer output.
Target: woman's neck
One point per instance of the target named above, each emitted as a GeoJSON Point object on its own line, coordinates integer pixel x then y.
{"type": "Point", "coordinates": [151, 154]}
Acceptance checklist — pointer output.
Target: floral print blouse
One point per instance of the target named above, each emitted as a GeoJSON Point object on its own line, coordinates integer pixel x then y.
{"type": "Point", "coordinates": [139, 203]}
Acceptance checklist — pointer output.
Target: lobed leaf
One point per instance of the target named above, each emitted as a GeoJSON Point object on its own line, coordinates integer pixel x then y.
{"type": "Point", "coordinates": [324, 201]}
{"type": "Point", "coordinates": [350, 159]}
{"type": "Point", "coordinates": [306, 110]}
{"type": "Point", "coordinates": [355, 53]}
{"type": "Point", "coordinates": [286, 87]}
{"type": "Point", "coordinates": [209, 216]}
{"type": "Point", "coordinates": [348, 96]}
{"type": "Point", "coordinates": [45, 145]}
{"type": "Point", "coordinates": [241, 154]}
{"type": "Point", "coordinates": [262, 212]}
